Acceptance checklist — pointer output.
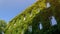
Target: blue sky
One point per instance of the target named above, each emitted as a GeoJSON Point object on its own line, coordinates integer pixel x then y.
{"type": "Point", "coordinates": [10, 8]}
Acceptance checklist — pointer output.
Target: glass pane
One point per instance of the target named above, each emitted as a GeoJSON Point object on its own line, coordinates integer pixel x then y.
{"type": "Point", "coordinates": [30, 28]}
{"type": "Point", "coordinates": [40, 26]}
{"type": "Point", "coordinates": [53, 21]}
{"type": "Point", "coordinates": [48, 5]}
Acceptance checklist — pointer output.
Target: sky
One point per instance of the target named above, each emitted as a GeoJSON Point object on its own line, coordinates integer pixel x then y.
{"type": "Point", "coordinates": [10, 8]}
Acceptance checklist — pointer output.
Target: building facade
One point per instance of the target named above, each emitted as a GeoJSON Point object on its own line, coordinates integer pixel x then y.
{"type": "Point", "coordinates": [36, 19]}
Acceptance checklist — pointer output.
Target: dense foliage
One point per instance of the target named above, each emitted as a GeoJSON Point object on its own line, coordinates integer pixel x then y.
{"type": "Point", "coordinates": [29, 20]}
{"type": "Point", "coordinates": [2, 26]}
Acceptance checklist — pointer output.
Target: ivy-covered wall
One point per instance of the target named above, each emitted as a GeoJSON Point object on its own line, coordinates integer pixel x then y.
{"type": "Point", "coordinates": [29, 20]}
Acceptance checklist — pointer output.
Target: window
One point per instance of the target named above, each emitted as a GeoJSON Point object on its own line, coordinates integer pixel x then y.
{"type": "Point", "coordinates": [2, 32]}
{"type": "Point", "coordinates": [30, 28]}
{"type": "Point", "coordinates": [40, 26]}
{"type": "Point", "coordinates": [19, 21]}
{"type": "Point", "coordinates": [15, 24]}
{"type": "Point", "coordinates": [48, 5]}
{"type": "Point", "coordinates": [22, 31]}
{"type": "Point", "coordinates": [30, 14]}
{"type": "Point", "coordinates": [53, 21]}
{"type": "Point", "coordinates": [24, 17]}
{"type": "Point", "coordinates": [38, 10]}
